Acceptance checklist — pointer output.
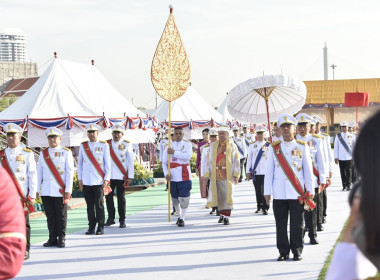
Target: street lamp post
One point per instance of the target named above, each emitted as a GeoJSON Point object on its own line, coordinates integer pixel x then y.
{"type": "Point", "coordinates": [333, 66]}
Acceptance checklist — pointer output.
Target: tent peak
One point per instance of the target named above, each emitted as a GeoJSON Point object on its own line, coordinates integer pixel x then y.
{"type": "Point", "coordinates": [55, 54]}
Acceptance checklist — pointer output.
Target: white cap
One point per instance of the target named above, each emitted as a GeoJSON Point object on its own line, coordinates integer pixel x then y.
{"type": "Point", "coordinates": [260, 128]}
{"type": "Point", "coordinates": [351, 124]}
{"type": "Point", "coordinates": [225, 128]}
{"type": "Point", "coordinates": [213, 132]}
{"type": "Point", "coordinates": [92, 127]}
{"type": "Point", "coordinates": [303, 118]}
{"type": "Point", "coordinates": [53, 131]}
{"type": "Point", "coordinates": [286, 119]}
{"type": "Point", "coordinates": [245, 125]}
{"type": "Point", "coordinates": [118, 128]}
{"type": "Point", "coordinates": [317, 118]}
{"type": "Point", "coordinates": [12, 128]}
{"type": "Point", "coordinates": [344, 123]}
{"type": "Point", "coordinates": [235, 128]}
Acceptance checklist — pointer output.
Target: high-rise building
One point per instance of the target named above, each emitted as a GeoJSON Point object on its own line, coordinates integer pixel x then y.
{"type": "Point", "coordinates": [12, 45]}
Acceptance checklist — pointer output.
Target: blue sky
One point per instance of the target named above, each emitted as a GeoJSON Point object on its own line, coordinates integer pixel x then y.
{"type": "Point", "coordinates": [227, 42]}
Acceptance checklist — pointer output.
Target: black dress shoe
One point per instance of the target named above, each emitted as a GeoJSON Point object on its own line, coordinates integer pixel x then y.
{"type": "Point", "coordinates": [220, 219]}
{"type": "Point", "coordinates": [297, 257]}
{"type": "Point", "coordinates": [61, 242]}
{"type": "Point", "coordinates": [174, 213]}
{"type": "Point", "coordinates": [348, 188]}
{"type": "Point", "coordinates": [177, 222]}
{"type": "Point", "coordinates": [217, 213]}
{"type": "Point", "coordinates": [99, 231]}
{"type": "Point", "coordinates": [314, 241]}
{"type": "Point", "coordinates": [109, 223]}
{"type": "Point", "coordinates": [258, 210]}
{"type": "Point", "coordinates": [283, 258]}
{"type": "Point", "coordinates": [51, 242]}
{"type": "Point", "coordinates": [90, 231]}
{"type": "Point", "coordinates": [320, 227]}
{"type": "Point", "coordinates": [265, 212]}
{"type": "Point", "coordinates": [343, 188]}
{"type": "Point", "coordinates": [323, 220]}
{"type": "Point", "coordinates": [26, 257]}
{"type": "Point", "coordinates": [181, 223]}
{"type": "Point", "coordinates": [226, 221]}
{"type": "Point", "coordinates": [122, 225]}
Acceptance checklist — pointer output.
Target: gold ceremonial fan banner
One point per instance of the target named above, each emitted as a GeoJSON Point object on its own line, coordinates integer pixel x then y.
{"type": "Point", "coordinates": [170, 73]}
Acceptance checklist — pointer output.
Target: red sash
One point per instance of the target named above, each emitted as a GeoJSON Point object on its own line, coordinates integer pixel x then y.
{"type": "Point", "coordinates": [304, 197]}
{"type": "Point", "coordinates": [55, 172]}
{"type": "Point", "coordinates": [95, 163]}
{"type": "Point", "coordinates": [185, 172]}
{"type": "Point", "coordinates": [118, 163]}
{"type": "Point", "coordinates": [220, 156]}
{"type": "Point", "coordinates": [316, 174]}
{"type": "Point", "coordinates": [25, 200]}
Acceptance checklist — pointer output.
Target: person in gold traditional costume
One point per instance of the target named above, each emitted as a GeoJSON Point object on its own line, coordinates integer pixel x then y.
{"type": "Point", "coordinates": [223, 168]}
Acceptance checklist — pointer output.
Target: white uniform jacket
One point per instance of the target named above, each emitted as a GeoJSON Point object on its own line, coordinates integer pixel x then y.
{"type": "Point", "coordinates": [163, 144]}
{"type": "Point", "coordinates": [253, 151]}
{"type": "Point", "coordinates": [339, 151]}
{"type": "Point", "coordinates": [329, 153]}
{"type": "Point", "coordinates": [182, 155]}
{"type": "Point", "coordinates": [86, 171]}
{"type": "Point", "coordinates": [123, 151]}
{"type": "Point", "coordinates": [21, 161]}
{"type": "Point", "coordinates": [64, 163]}
{"type": "Point", "coordinates": [298, 157]}
{"type": "Point", "coordinates": [317, 153]}
{"type": "Point", "coordinates": [242, 147]}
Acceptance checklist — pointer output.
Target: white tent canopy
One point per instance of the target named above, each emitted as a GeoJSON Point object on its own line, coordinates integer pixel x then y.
{"type": "Point", "coordinates": [222, 109]}
{"type": "Point", "coordinates": [70, 88]}
{"type": "Point", "coordinates": [76, 90]}
{"type": "Point", "coordinates": [189, 107]}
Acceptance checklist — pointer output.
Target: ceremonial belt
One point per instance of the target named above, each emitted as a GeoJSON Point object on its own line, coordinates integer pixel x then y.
{"type": "Point", "coordinates": [185, 172]}
{"type": "Point", "coordinates": [118, 163]}
{"type": "Point", "coordinates": [13, 234]}
{"type": "Point", "coordinates": [344, 144]}
{"type": "Point", "coordinates": [305, 197]}
{"type": "Point", "coordinates": [25, 200]}
{"type": "Point", "coordinates": [316, 174]}
{"type": "Point", "coordinates": [95, 163]}
{"type": "Point", "coordinates": [240, 150]}
{"type": "Point", "coordinates": [258, 158]}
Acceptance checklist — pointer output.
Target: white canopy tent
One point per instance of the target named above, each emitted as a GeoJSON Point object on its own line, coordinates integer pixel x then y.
{"type": "Point", "coordinates": [76, 92]}
{"type": "Point", "coordinates": [191, 112]}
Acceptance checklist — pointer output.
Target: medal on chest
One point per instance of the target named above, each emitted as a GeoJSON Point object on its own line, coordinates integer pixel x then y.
{"type": "Point", "coordinates": [20, 159]}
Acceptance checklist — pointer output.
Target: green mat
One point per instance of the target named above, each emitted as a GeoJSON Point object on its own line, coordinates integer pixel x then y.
{"type": "Point", "coordinates": [136, 202]}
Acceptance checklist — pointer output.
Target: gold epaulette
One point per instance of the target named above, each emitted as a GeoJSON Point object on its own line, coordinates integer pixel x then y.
{"type": "Point", "coordinates": [324, 134]}
{"type": "Point", "coordinates": [318, 136]}
{"type": "Point", "coordinates": [85, 141]}
{"type": "Point", "coordinates": [276, 143]}
{"type": "Point", "coordinates": [45, 148]}
{"type": "Point", "coordinates": [126, 141]}
{"type": "Point", "coordinates": [301, 142]}
{"type": "Point", "coordinates": [65, 148]}
{"type": "Point", "coordinates": [27, 150]}
{"type": "Point", "coordinates": [102, 141]}
{"type": "Point", "coordinates": [207, 145]}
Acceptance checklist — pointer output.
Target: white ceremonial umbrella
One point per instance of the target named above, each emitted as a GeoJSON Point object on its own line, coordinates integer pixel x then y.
{"type": "Point", "coordinates": [266, 98]}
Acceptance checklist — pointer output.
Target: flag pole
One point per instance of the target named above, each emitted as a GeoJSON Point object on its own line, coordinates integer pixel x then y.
{"type": "Point", "coordinates": [169, 140]}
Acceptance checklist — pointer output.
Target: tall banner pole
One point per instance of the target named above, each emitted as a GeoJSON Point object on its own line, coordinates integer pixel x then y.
{"type": "Point", "coordinates": [170, 72]}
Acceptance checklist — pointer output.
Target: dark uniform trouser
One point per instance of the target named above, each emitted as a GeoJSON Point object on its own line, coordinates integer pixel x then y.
{"type": "Point", "coordinates": [281, 209]}
{"type": "Point", "coordinates": [324, 195]}
{"type": "Point", "coordinates": [314, 217]}
{"type": "Point", "coordinates": [94, 200]}
{"type": "Point", "coordinates": [56, 214]}
{"type": "Point", "coordinates": [345, 167]}
{"type": "Point", "coordinates": [259, 189]}
{"type": "Point", "coordinates": [241, 169]}
{"type": "Point", "coordinates": [121, 206]}
{"type": "Point", "coordinates": [28, 230]}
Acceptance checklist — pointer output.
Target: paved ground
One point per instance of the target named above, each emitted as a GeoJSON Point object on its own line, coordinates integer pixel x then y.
{"type": "Point", "coordinates": [152, 248]}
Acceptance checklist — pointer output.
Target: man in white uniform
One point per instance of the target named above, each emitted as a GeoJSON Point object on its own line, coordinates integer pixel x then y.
{"type": "Point", "coordinates": [242, 148]}
{"type": "Point", "coordinates": [55, 175]}
{"type": "Point", "coordinates": [180, 152]}
{"type": "Point", "coordinates": [289, 172]}
{"type": "Point", "coordinates": [122, 173]}
{"type": "Point", "coordinates": [94, 172]}
{"type": "Point", "coordinates": [19, 163]}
